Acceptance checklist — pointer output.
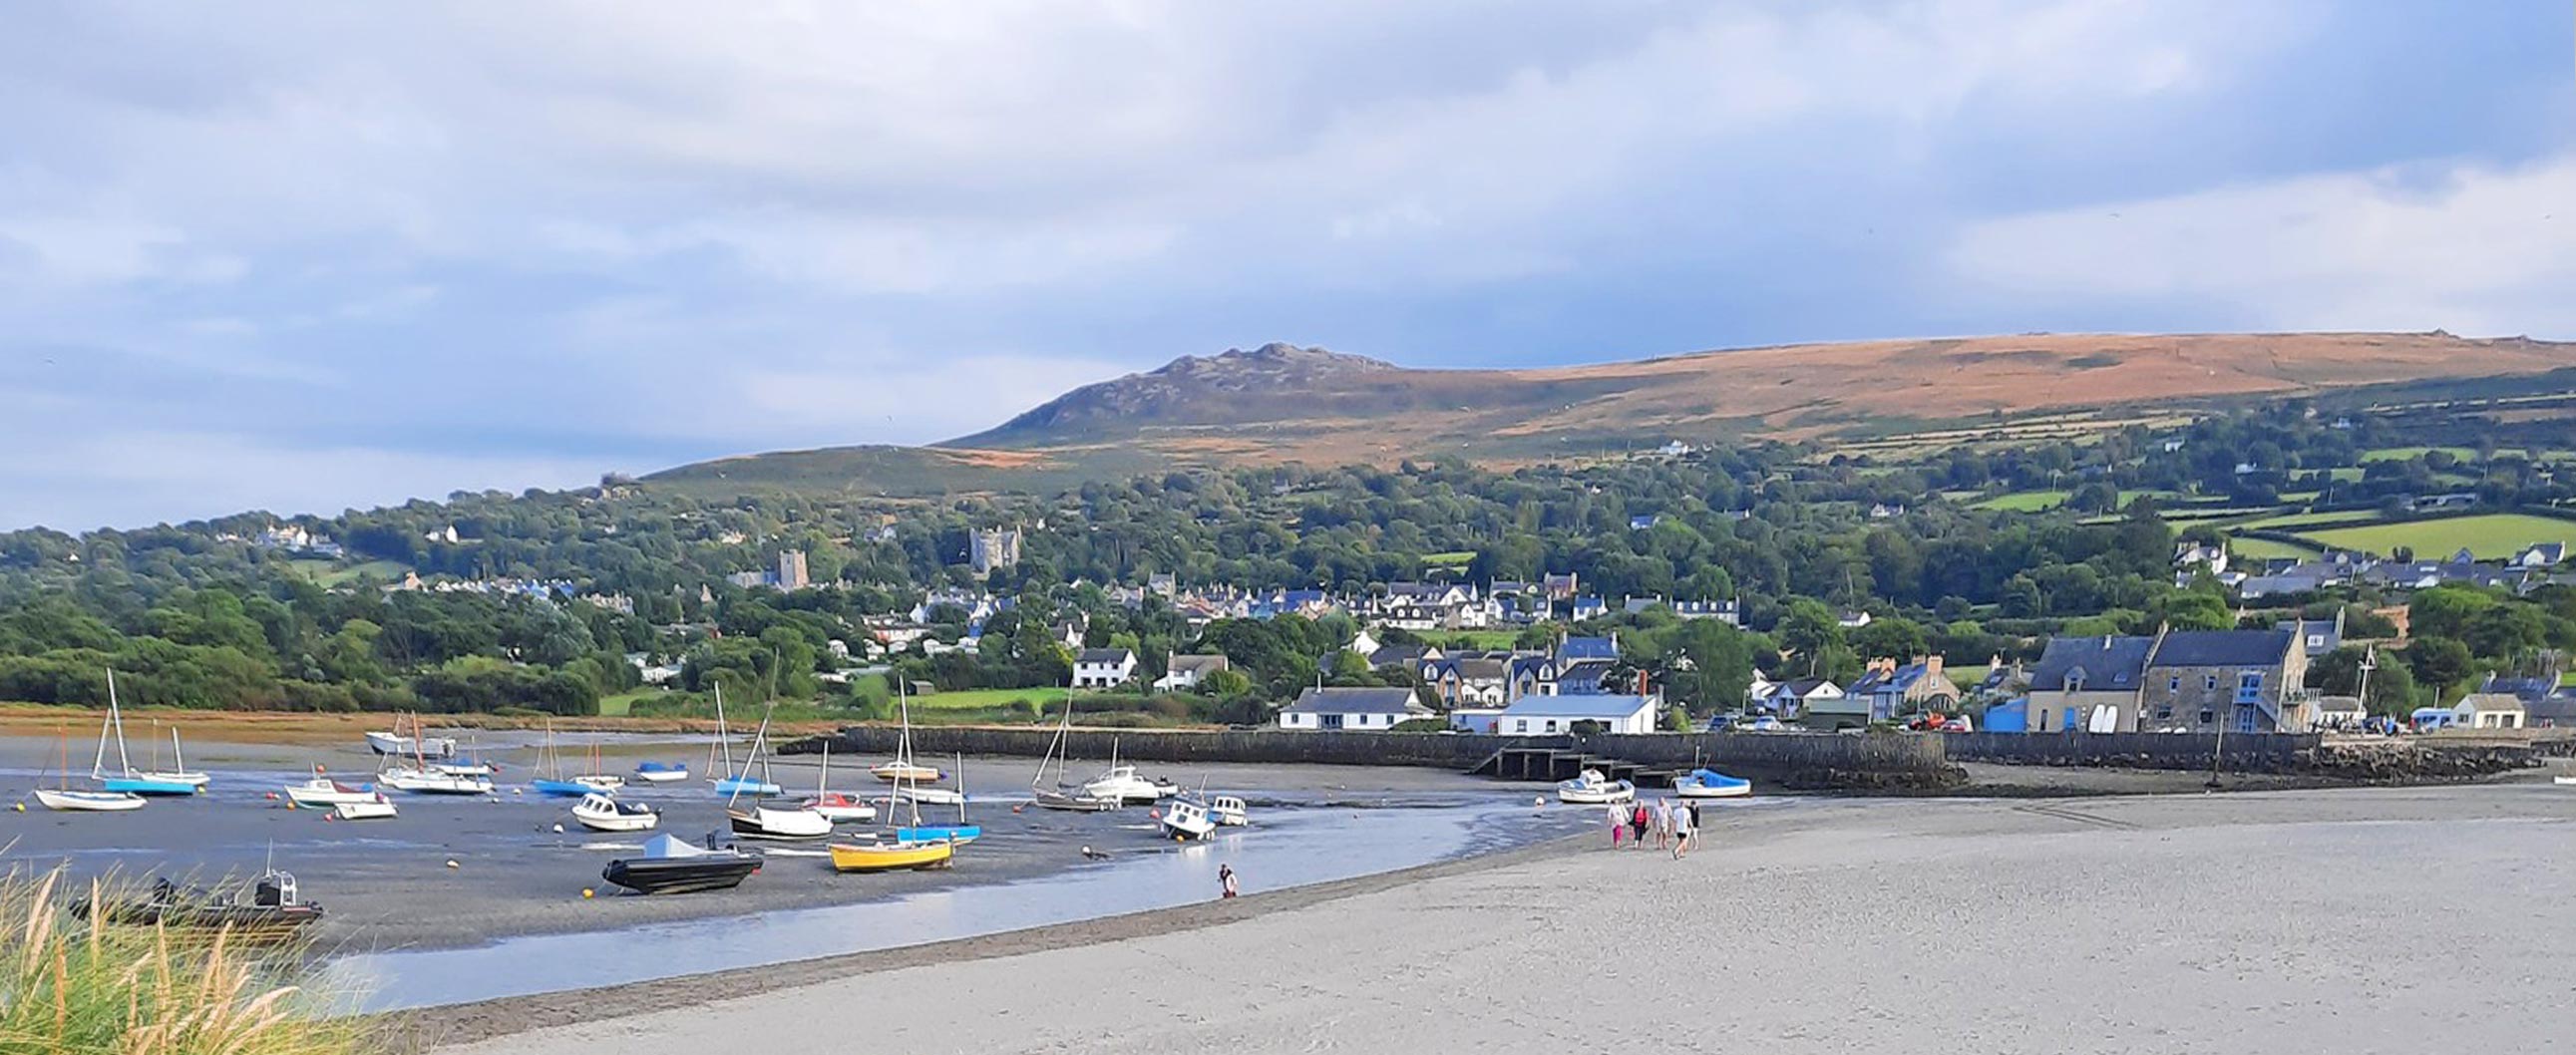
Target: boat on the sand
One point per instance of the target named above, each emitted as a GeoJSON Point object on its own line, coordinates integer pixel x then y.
{"type": "Point", "coordinates": [600, 812]}
{"type": "Point", "coordinates": [670, 865]}
{"type": "Point", "coordinates": [273, 908]}
{"type": "Point", "coordinates": [1711, 784]}
{"type": "Point", "coordinates": [894, 856]}
{"type": "Point", "coordinates": [372, 808]}
{"type": "Point", "coordinates": [1591, 788]}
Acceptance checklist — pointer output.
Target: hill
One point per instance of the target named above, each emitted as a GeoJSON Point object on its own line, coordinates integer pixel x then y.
{"type": "Point", "coordinates": [1280, 403]}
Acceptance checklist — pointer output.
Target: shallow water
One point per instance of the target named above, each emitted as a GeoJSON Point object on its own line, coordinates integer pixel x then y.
{"type": "Point", "coordinates": [1286, 847]}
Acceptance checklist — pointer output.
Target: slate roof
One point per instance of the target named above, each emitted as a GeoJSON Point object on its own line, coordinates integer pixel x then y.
{"type": "Point", "coordinates": [2306, 628]}
{"type": "Point", "coordinates": [1105, 657]}
{"type": "Point", "coordinates": [2109, 663]}
{"type": "Point", "coordinates": [1201, 664]}
{"type": "Point", "coordinates": [2556, 712]}
{"type": "Point", "coordinates": [1356, 701]}
{"type": "Point", "coordinates": [1587, 648]}
{"type": "Point", "coordinates": [2224, 648]}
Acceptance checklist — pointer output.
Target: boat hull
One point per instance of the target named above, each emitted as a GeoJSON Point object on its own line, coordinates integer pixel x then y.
{"type": "Point", "coordinates": [329, 795]}
{"type": "Point", "coordinates": [437, 784]}
{"type": "Point", "coordinates": [681, 875]}
{"type": "Point", "coordinates": [562, 789]}
{"type": "Point", "coordinates": [661, 776]}
{"type": "Point", "coordinates": [1713, 791]}
{"type": "Point", "coordinates": [778, 824]}
{"type": "Point", "coordinates": [377, 808]}
{"type": "Point", "coordinates": [1598, 795]}
{"type": "Point", "coordinates": [960, 834]}
{"type": "Point", "coordinates": [88, 801]}
{"type": "Point", "coordinates": [731, 786]}
{"type": "Point", "coordinates": [1057, 800]}
{"type": "Point", "coordinates": [153, 785]}
{"type": "Point", "coordinates": [891, 857]}
{"type": "Point", "coordinates": [602, 814]}
{"type": "Point", "coordinates": [892, 772]}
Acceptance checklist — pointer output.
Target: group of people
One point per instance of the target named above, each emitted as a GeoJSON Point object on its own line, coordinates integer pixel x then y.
{"type": "Point", "coordinates": [1674, 826]}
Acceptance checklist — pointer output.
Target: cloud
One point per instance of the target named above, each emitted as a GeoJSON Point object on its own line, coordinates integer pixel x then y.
{"type": "Point", "coordinates": [2463, 246]}
{"type": "Point", "coordinates": [129, 477]}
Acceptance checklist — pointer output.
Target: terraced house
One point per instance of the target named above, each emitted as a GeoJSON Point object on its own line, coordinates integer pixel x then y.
{"type": "Point", "coordinates": [2245, 681]}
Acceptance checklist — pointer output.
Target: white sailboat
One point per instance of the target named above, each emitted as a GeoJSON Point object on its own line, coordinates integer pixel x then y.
{"type": "Point", "coordinates": [374, 807]}
{"type": "Point", "coordinates": [128, 779]}
{"type": "Point", "coordinates": [421, 778]}
{"type": "Point", "coordinates": [732, 785]}
{"type": "Point", "coordinates": [756, 821]}
{"type": "Point", "coordinates": [835, 806]}
{"type": "Point", "coordinates": [1057, 798]}
{"type": "Point", "coordinates": [62, 797]}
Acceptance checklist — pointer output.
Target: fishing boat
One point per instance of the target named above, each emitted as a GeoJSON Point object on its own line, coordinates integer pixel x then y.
{"type": "Point", "coordinates": [323, 792]}
{"type": "Point", "coordinates": [1711, 784]}
{"type": "Point", "coordinates": [661, 772]}
{"type": "Point", "coordinates": [374, 807]}
{"type": "Point", "coordinates": [415, 744]}
{"type": "Point", "coordinates": [603, 813]}
{"type": "Point", "coordinates": [834, 806]}
{"type": "Point", "coordinates": [1229, 811]}
{"type": "Point", "coordinates": [1057, 797]}
{"type": "Point", "coordinates": [1185, 820]}
{"type": "Point", "coordinates": [755, 821]}
{"type": "Point", "coordinates": [272, 910]}
{"type": "Point", "coordinates": [62, 797]}
{"type": "Point", "coordinates": [176, 781]}
{"type": "Point", "coordinates": [1594, 789]}
{"type": "Point", "coordinates": [890, 857]}
{"type": "Point", "coordinates": [732, 785]}
{"type": "Point", "coordinates": [669, 865]}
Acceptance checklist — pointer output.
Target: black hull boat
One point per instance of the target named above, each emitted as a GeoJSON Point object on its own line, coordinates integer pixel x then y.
{"type": "Point", "coordinates": [672, 866]}
{"type": "Point", "coordinates": [273, 912]}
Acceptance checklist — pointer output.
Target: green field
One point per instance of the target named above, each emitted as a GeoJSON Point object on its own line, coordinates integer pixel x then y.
{"type": "Point", "coordinates": [2399, 454]}
{"type": "Point", "coordinates": [328, 573]}
{"type": "Point", "coordinates": [1452, 559]}
{"type": "Point", "coordinates": [2301, 522]}
{"type": "Point", "coordinates": [618, 705]}
{"type": "Point", "coordinates": [2042, 501]}
{"type": "Point", "coordinates": [1474, 640]}
{"type": "Point", "coordinates": [984, 699]}
{"type": "Point", "coordinates": [2266, 549]}
{"type": "Point", "coordinates": [2489, 536]}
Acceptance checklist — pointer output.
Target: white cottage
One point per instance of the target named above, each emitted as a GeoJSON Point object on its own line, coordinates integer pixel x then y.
{"type": "Point", "coordinates": [1542, 715]}
{"type": "Point", "coordinates": [1371, 709]}
{"type": "Point", "coordinates": [1101, 668]}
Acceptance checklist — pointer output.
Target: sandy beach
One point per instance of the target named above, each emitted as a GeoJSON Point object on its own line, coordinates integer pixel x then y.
{"type": "Point", "coordinates": [2356, 920]}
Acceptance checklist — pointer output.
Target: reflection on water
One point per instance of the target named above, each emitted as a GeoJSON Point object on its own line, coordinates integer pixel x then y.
{"type": "Point", "coordinates": [1289, 848]}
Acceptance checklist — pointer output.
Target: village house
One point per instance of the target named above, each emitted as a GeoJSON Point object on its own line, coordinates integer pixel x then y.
{"type": "Point", "coordinates": [1791, 698]}
{"type": "Point", "coordinates": [2488, 710]}
{"type": "Point", "coordinates": [2317, 637]}
{"type": "Point", "coordinates": [1328, 709]}
{"type": "Point", "coordinates": [2087, 683]}
{"type": "Point", "coordinates": [2542, 555]}
{"type": "Point", "coordinates": [1184, 672]}
{"type": "Point", "coordinates": [2252, 680]}
{"type": "Point", "coordinates": [1542, 715]}
{"type": "Point", "coordinates": [1728, 612]}
{"type": "Point", "coordinates": [1890, 689]}
{"type": "Point", "coordinates": [1102, 668]}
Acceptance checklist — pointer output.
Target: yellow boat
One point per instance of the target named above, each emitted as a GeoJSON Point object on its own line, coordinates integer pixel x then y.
{"type": "Point", "coordinates": [889, 857]}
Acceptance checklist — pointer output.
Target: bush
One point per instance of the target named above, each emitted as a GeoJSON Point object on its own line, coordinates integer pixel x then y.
{"type": "Point", "coordinates": [1419, 725]}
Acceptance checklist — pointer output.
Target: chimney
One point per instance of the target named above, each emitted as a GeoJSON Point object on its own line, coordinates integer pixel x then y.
{"type": "Point", "coordinates": [1932, 666]}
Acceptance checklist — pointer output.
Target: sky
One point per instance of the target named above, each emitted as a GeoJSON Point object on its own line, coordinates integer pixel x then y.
{"type": "Point", "coordinates": [304, 258]}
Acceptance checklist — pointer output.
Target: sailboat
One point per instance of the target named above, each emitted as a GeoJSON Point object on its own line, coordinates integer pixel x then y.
{"type": "Point", "coordinates": [421, 778]}
{"type": "Point", "coordinates": [417, 744]}
{"type": "Point", "coordinates": [1056, 798]}
{"type": "Point", "coordinates": [755, 821]}
{"type": "Point", "coordinates": [62, 797]}
{"type": "Point", "coordinates": [959, 833]}
{"type": "Point", "coordinates": [321, 791]}
{"type": "Point", "coordinates": [834, 806]}
{"type": "Point", "coordinates": [734, 785]}
{"type": "Point", "coordinates": [556, 784]}
{"type": "Point", "coordinates": [903, 770]}
{"type": "Point", "coordinates": [130, 780]}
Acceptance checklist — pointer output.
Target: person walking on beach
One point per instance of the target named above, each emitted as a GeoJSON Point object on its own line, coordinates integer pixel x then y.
{"type": "Point", "coordinates": [1225, 880]}
{"type": "Point", "coordinates": [1618, 824]}
{"type": "Point", "coordinates": [1638, 819]}
{"type": "Point", "coordinates": [1663, 822]}
{"type": "Point", "coordinates": [1685, 828]}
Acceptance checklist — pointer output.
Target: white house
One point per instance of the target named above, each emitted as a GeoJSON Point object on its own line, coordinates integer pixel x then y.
{"type": "Point", "coordinates": [1541, 715]}
{"type": "Point", "coordinates": [1101, 668]}
{"type": "Point", "coordinates": [1185, 672]}
{"type": "Point", "coordinates": [1375, 709]}
{"type": "Point", "coordinates": [2488, 710]}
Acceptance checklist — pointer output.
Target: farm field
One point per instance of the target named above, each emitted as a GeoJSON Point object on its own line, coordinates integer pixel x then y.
{"type": "Point", "coordinates": [2302, 522]}
{"type": "Point", "coordinates": [2488, 536]}
{"type": "Point", "coordinates": [1476, 640]}
{"type": "Point", "coordinates": [981, 699]}
{"type": "Point", "coordinates": [2399, 454]}
{"type": "Point", "coordinates": [2042, 501]}
{"type": "Point", "coordinates": [2266, 549]}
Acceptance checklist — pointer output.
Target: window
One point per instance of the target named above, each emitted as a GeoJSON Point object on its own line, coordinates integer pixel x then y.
{"type": "Point", "coordinates": [1520, 725]}
{"type": "Point", "coordinates": [2207, 716]}
{"type": "Point", "coordinates": [2164, 713]}
{"type": "Point", "coordinates": [2211, 683]}
{"type": "Point", "coordinates": [1332, 721]}
{"type": "Point", "coordinates": [2250, 681]}
{"type": "Point", "coordinates": [2174, 684]}
{"type": "Point", "coordinates": [1551, 725]}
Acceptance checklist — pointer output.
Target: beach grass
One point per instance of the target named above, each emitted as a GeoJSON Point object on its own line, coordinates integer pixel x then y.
{"type": "Point", "coordinates": [68, 985]}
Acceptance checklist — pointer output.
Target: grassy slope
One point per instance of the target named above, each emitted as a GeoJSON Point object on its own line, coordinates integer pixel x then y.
{"type": "Point", "coordinates": [2494, 535]}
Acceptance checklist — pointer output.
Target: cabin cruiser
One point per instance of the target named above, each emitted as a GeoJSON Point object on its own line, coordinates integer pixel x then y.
{"type": "Point", "coordinates": [1591, 788]}
{"type": "Point", "coordinates": [1121, 784]}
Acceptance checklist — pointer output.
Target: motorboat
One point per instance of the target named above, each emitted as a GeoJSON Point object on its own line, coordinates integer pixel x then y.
{"type": "Point", "coordinates": [603, 813]}
{"type": "Point", "coordinates": [889, 857]}
{"type": "Point", "coordinates": [1711, 784]}
{"type": "Point", "coordinates": [1592, 788]}
{"type": "Point", "coordinates": [1121, 784]}
{"type": "Point", "coordinates": [960, 834]}
{"type": "Point", "coordinates": [420, 781]}
{"type": "Point", "coordinates": [661, 772]}
{"type": "Point", "coordinates": [1229, 811]}
{"type": "Point", "coordinates": [273, 909]}
{"type": "Point", "coordinates": [839, 808]}
{"type": "Point", "coordinates": [126, 778]}
{"type": "Point", "coordinates": [905, 771]}
{"type": "Point", "coordinates": [670, 865]}
{"type": "Point", "coordinates": [1185, 820]}
{"type": "Point", "coordinates": [773, 822]}
{"type": "Point", "coordinates": [416, 743]}
{"type": "Point", "coordinates": [88, 801]}
{"type": "Point", "coordinates": [322, 791]}
{"type": "Point", "coordinates": [372, 808]}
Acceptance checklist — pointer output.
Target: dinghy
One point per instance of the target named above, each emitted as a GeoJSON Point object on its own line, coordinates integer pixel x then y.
{"type": "Point", "coordinates": [670, 865]}
{"type": "Point", "coordinates": [661, 772]}
{"type": "Point", "coordinates": [601, 813]}
{"type": "Point", "coordinates": [900, 771]}
{"type": "Point", "coordinates": [1592, 788]}
{"type": "Point", "coordinates": [960, 834]}
{"type": "Point", "coordinates": [1071, 802]}
{"type": "Point", "coordinates": [372, 808]}
{"type": "Point", "coordinates": [176, 781]}
{"type": "Point", "coordinates": [1711, 784]}
{"type": "Point", "coordinates": [1185, 820]}
{"type": "Point", "coordinates": [889, 857]}
{"type": "Point", "coordinates": [322, 791]}
{"type": "Point", "coordinates": [930, 796]}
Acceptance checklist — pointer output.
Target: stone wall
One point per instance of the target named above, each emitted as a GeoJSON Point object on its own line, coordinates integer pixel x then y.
{"type": "Point", "coordinates": [2242, 753]}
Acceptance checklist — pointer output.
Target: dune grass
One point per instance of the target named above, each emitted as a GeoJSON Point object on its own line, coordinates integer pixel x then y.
{"type": "Point", "coordinates": [73, 986]}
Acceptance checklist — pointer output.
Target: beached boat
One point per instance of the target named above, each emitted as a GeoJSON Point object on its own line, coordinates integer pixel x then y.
{"type": "Point", "coordinates": [465, 767]}
{"type": "Point", "coordinates": [1594, 789]}
{"type": "Point", "coordinates": [889, 857]}
{"type": "Point", "coordinates": [126, 778]}
{"type": "Point", "coordinates": [729, 783]}
{"type": "Point", "coordinates": [1121, 784]}
{"type": "Point", "coordinates": [961, 834]}
{"type": "Point", "coordinates": [414, 743]}
{"type": "Point", "coordinates": [930, 796]}
{"type": "Point", "coordinates": [670, 865]}
{"type": "Point", "coordinates": [1185, 820]}
{"type": "Point", "coordinates": [420, 781]}
{"type": "Point", "coordinates": [755, 821]}
{"type": "Point", "coordinates": [1071, 801]}
{"type": "Point", "coordinates": [88, 801]}
{"type": "Point", "coordinates": [374, 807]}
{"type": "Point", "coordinates": [272, 910]}
{"type": "Point", "coordinates": [1711, 784]}
{"type": "Point", "coordinates": [904, 772]}
{"type": "Point", "coordinates": [834, 806]}
{"type": "Point", "coordinates": [323, 792]}
{"type": "Point", "coordinates": [1059, 797]}
{"type": "Point", "coordinates": [661, 772]}
{"type": "Point", "coordinates": [1229, 811]}
{"type": "Point", "coordinates": [556, 784]}
{"type": "Point", "coordinates": [602, 813]}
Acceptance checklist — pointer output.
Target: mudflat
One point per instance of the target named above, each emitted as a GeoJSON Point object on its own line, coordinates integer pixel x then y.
{"type": "Point", "coordinates": [2346, 920]}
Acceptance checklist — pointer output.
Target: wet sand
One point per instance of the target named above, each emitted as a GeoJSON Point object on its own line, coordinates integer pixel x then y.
{"type": "Point", "coordinates": [2353, 920]}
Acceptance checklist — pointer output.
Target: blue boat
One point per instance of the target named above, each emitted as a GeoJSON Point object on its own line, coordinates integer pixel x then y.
{"type": "Point", "coordinates": [1711, 784]}
{"type": "Point", "coordinates": [960, 834]}
{"type": "Point", "coordinates": [140, 785]}
{"type": "Point", "coordinates": [565, 789]}
{"type": "Point", "coordinates": [732, 786]}
{"type": "Point", "coordinates": [660, 772]}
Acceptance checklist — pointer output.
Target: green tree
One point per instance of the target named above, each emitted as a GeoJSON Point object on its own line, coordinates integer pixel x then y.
{"type": "Point", "coordinates": [2439, 662]}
